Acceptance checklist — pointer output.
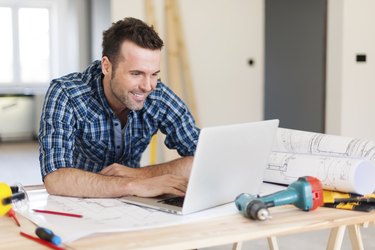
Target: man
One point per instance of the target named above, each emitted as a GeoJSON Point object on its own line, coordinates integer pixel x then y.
{"type": "Point", "coordinates": [95, 125]}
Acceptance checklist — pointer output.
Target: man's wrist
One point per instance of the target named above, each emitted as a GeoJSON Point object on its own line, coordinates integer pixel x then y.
{"type": "Point", "coordinates": [130, 187]}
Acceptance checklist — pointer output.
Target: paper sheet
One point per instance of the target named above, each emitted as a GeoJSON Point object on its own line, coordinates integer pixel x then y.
{"type": "Point", "coordinates": [341, 163]}
{"type": "Point", "coordinates": [111, 215]}
{"type": "Point", "coordinates": [351, 175]}
{"type": "Point", "coordinates": [105, 215]}
{"type": "Point", "coordinates": [304, 142]}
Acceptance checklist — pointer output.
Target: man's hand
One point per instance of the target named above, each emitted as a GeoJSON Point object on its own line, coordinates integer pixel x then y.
{"type": "Point", "coordinates": [116, 169]}
{"type": "Point", "coordinates": [145, 186]}
{"type": "Point", "coordinates": [180, 167]}
{"type": "Point", "coordinates": [164, 184]}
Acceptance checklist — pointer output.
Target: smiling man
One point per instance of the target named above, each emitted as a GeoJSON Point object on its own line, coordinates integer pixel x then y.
{"type": "Point", "coordinates": [96, 124]}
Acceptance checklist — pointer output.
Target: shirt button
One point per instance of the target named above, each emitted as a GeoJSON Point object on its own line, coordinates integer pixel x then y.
{"type": "Point", "coordinates": [118, 147]}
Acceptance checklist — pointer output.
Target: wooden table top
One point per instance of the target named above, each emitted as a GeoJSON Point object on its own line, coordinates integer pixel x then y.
{"type": "Point", "coordinates": [209, 232]}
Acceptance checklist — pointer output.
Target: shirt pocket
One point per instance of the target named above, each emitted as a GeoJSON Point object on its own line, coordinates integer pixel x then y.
{"type": "Point", "coordinates": [94, 141]}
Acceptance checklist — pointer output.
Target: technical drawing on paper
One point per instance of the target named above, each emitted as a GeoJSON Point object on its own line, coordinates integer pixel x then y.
{"type": "Point", "coordinates": [344, 174]}
{"type": "Point", "coordinates": [105, 215]}
{"type": "Point", "coordinates": [111, 212]}
{"type": "Point", "coordinates": [296, 141]}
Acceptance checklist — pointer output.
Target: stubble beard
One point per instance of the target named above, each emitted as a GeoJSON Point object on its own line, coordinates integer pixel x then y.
{"type": "Point", "coordinates": [126, 100]}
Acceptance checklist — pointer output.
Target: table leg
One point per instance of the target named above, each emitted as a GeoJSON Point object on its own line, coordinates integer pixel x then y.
{"type": "Point", "coordinates": [237, 246]}
{"type": "Point", "coordinates": [355, 237]}
{"type": "Point", "coordinates": [272, 243]}
{"type": "Point", "coordinates": [335, 238]}
{"type": "Point", "coordinates": [366, 224]}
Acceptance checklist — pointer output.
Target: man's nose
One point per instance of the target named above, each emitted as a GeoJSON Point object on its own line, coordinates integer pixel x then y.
{"type": "Point", "coordinates": [146, 84]}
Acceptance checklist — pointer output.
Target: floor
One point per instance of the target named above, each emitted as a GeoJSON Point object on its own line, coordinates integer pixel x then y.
{"type": "Point", "coordinates": [19, 164]}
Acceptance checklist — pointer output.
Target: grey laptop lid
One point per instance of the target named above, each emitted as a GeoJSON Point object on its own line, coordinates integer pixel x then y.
{"type": "Point", "coordinates": [229, 160]}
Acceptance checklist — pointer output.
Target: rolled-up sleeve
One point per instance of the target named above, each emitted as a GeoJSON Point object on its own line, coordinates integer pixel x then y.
{"type": "Point", "coordinates": [178, 124]}
{"type": "Point", "coordinates": [56, 131]}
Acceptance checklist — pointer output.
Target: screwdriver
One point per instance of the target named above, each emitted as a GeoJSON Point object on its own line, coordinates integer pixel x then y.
{"type": "Point", "coordinates": [12, 214]}
{"type": "Point", "coordinates": [47, 235]}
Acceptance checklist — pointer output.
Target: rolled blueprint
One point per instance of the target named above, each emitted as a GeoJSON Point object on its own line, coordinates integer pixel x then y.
{"type": "Point", "coordinates": [352, 175]}
{"type": "Point", "coordinates": [303, 142]}
{"type": "Point", "coordinates": [342, 163]}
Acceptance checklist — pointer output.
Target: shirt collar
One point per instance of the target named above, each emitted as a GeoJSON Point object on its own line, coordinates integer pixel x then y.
{"type": "Point", "coordinates": [98, 82]}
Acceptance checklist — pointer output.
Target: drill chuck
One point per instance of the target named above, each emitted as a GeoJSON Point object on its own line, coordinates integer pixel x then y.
{"type": "Point", "coordinates": [257, 210]}
{"type": "Point", "coordinates": [251, 207]}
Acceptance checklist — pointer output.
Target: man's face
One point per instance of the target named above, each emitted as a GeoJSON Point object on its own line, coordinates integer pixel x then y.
{"type": "Point", "coordinates": [134, 78]}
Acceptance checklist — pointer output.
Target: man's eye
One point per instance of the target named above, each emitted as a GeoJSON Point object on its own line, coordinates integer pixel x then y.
{"type": "Point", "coordinates": [136, 73]}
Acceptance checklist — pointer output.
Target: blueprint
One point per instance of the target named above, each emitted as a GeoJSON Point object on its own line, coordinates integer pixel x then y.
{"type": "Point", "coordinates": [341, 163]}
{"type": "Point", "coordinates": [104, 215]}
{"type": "Point", "coordinates": [296, 141]}
{"type": "Point", "coordinates": [110, 215]}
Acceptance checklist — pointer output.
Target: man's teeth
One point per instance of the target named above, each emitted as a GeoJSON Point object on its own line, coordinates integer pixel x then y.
{"type": "Point", "coordinates": [139, 95]}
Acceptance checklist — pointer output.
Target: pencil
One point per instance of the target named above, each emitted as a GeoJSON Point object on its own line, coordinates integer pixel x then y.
{"type": "Point", "coordinates": [40, 241]}
{"type": "Point", "coordinates": [57, 213]}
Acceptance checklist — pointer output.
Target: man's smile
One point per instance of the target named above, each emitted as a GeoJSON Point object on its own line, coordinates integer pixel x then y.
{"type": "Point", "coordinates": [139, 96]}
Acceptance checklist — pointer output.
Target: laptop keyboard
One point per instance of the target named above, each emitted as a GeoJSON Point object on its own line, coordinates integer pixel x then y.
{"type": "Point", "coordinates": [174, 201]}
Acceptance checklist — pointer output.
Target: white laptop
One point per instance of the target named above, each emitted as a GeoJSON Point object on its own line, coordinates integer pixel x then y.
{"type": "Point", "coordinates": [229, 160]}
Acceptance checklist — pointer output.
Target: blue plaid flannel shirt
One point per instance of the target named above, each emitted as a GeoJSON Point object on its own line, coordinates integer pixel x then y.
{"type": "Point", "coordinates": [78, 128]}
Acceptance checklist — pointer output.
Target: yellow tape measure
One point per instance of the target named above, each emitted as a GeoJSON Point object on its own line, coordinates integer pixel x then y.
{"type": "Point", "coordinates": [5, 192]}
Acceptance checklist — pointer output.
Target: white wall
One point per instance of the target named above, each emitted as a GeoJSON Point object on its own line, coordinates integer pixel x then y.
{"type": "Point", "coordinates": [221, 36]}
{"type": "Point", "coordinates": [73, 46]}
{"type": "Point", "coordinates": [350, 84]}
{"type": "Point", "coordinates": [100, 21]}
{"type": "Point", "coordinates": [71, 49]}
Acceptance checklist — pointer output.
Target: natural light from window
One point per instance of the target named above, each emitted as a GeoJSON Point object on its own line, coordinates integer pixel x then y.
{"type": "Point", "coordinates": [34, 46]}
{"type": "Point", "coordinates": [25, 45]}
{"type": "Point", "coordinates": [6, 45]}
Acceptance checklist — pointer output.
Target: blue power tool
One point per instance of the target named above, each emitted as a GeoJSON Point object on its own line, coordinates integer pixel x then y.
{"type": "Point", "coordinates": [306, 193]}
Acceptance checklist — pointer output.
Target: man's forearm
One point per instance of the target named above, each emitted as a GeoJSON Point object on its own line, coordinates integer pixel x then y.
{"type": "Point", "coordinates": [79, 183]}
{"type": "Point", "coordinates": [181, 166]}
{"type": "Point", "coordinates": [76, 182]}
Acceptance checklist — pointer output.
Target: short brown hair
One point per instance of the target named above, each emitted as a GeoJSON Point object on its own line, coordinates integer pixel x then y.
{"type": "Point", "coordinates": [130, 29]}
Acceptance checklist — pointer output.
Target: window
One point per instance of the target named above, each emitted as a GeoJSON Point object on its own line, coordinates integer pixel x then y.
{"type": "Point", "coordinates": [6, 45]}
{"type": "Point", "coordinates": [25, 45]}
{"type": "Point", "coordinates": [34, 44]}
{"type": "Point", "coordinates": [41, 40]}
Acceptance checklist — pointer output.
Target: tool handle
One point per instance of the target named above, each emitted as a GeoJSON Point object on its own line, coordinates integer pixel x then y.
{"type": "Point", "coordinates": [48, 235]}
{"type": "Point", "coordinates": [13, 197]}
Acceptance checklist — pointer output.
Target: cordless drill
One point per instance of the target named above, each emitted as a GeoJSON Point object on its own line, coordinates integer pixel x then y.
{"type": "Point", "coordinates": [306, 193]}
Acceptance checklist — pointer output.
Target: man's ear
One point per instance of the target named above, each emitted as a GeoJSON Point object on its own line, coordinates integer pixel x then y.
{"type": "Point", "coordinates": [106, 66]}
